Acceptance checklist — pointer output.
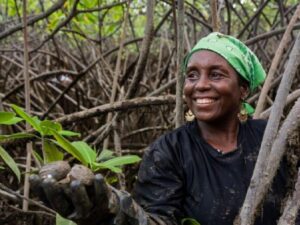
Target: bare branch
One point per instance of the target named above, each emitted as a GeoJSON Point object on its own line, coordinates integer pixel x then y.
{"type": "Point", "coordinates": [34, 19]}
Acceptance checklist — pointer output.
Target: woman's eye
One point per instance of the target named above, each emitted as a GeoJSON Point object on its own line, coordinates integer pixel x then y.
{"type": "Point", "coordinates": [192, 76]}
{"type": "Point", "coordinates": [216, 75]}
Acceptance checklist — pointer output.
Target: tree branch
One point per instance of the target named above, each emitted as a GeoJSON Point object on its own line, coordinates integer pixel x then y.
{"type": "Point", "coordinates": [292, 206]}
{"type": "Point", "coordinates": [118, 106]}
{"type": "Point", "coordinates": [267, 85]}
{"type": "Point", "coordinates": [34, 19]}
{"type": "Point", "coordinates": [251, 202]}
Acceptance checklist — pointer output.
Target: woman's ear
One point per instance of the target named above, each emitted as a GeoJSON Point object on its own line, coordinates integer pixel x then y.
{"type": "Point", "coordinates": [244, 91]}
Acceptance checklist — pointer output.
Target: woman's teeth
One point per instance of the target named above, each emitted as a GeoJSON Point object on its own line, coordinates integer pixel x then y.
{"type": "Point", "coordinates": [204, 100]}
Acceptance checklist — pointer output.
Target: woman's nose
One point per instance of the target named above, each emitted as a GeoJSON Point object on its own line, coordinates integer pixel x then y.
{"type": "Point", "coordinates": [203, 83]}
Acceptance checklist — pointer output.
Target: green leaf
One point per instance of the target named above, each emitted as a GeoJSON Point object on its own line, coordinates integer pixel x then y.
{"type": "Point", "coordinates": [115, 163]}
{"type": "Point", "coordinates": [6, 116]}
{"type": "Point", "coordinates": [9, 118]}
{"type": "Point", "coordinates": [114, 169]}
{"type": "Point", "coordinates": [15, 136]}
{"type": "Point", "coordinates": [62, 221]}
{"type": "Point", "coordinates": [2, 168]}
{"type": "Point", "coordinates": [111, 180]}
{"type": "Point", "coordinates": [100, 166]}
{"type": "Point", "coordinates": [87, 152]}
{"type": "Point", "coordinates": [37, 157]}
{"type": "Point", "coordinates": [9, 161]}
{"type": "Point", "coordinates": [189, 221]}
{"type": "Point", "coordinates": [121, 160]}
{"type": "Point", "coordinates": [47, 126]}
{"type": "Point", "coordinates": [33, 121]}
{"type": "Point", "coordinates": [12, 121]}
{"type": "Point", "coordinates": [69, 133]}
{"type": "Point", "coordinates": [105, 155]}
{"type": "Point", "coordinates": [51, 152]}
{"type": "Point", "coordinates": [67, 146]}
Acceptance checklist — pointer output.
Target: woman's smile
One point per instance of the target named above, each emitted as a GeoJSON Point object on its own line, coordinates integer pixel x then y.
{"type": "Point", "coordinates": [204, 101]}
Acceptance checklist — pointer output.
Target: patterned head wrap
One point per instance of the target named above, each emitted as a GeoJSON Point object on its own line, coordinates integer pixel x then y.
{"type": "Point", "coordinates": [237, 54]}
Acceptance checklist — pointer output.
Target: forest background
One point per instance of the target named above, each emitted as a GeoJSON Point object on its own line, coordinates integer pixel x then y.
{"type": "Point", "coordinates": [111, 71]}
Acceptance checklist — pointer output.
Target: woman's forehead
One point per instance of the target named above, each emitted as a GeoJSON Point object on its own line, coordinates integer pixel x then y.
{"type": "Point", "coordinates": [208, 58]}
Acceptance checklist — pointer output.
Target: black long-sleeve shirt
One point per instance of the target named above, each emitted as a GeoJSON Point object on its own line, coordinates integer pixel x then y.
{"type": "Point", "coordinates": [182, 176]}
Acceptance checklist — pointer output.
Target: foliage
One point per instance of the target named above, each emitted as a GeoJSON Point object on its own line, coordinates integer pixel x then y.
{"type": "Point", "coordinates": [10, 162]}
{"type": "Point", "coordinates": [189, 221]}
{"type": "Point", "coordinates": [53, 138]}
{"type": "Point", "coordinates": [93, 32]}
{"type": "Point", "coordinates": [62, 221]}
{"type": "Point", "coordinates": [9, 118]}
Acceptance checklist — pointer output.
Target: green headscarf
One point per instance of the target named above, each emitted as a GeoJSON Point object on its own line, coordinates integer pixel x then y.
{"type": "Point", "coordinates": [236, 53]}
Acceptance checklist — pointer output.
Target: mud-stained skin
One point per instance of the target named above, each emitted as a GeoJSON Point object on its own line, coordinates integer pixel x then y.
{"type": "Point", "coordinates": [57, 170]}
{"type": "Point", "coordinates": [77, 194]}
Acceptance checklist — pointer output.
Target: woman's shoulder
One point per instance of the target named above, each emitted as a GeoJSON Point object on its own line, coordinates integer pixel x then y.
{"type": "Point", "coordinates": [256, 124]}
{"type": "Point", "coordinates": [171, 143]}
{"type": "Point", "coordinates": [177, 135]}
{"type": "Point", "coordinates": [166, 150]}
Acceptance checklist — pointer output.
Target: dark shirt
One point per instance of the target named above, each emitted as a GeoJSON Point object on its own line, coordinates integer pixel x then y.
{"type": "Point", "coordinates": [182, 176]}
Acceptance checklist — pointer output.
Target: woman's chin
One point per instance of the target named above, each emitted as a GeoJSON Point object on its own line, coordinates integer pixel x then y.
{"type": "Point", "coordinates": [206, 117]}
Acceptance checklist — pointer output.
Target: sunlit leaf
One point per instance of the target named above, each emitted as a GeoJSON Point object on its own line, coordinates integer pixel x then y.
{"type": "Point", "coordinates": [62, 221]}
{"type": "Point", "coordinates": [189, 221]}
{"type": "Point", "coordinates": [6, 116]}
{"type": "Point", "coordinates": [68, 147]}
{"type": "Point", "coordinates": [15, 136]}
{"type": "Point", "coordinates": [34, 122]}
{"type": "Point", "coordinates": [87, 152]}
{"type": "Point", "coordinates": [51, 152]}
{"type": "Point", "coordinates": [69, 133]}
{"type": "Point", "coordinates": [9, 118]}
{"type": "Point", "coordinates": [37, 157]}
{"type": "Point", "coordinates": [115, 163]}
{"type": "Point", "coordinates": [12, 121]}
{"type": "Point", "coordinates": [48, 125]}
{"type": "Point", "coordinates": [121, 160]}
{"type": "Point", "coordinates": [111, 180]}
{"type": "Point", "coordinates": [105, 155]}
{"type": "Point", "coordinates": [100, 166]}
{"type": "Point", "coordinates": [9, 161]}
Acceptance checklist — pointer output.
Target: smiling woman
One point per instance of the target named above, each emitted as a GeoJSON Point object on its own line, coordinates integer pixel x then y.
{"type": "Point", "coordinates": [212, 88]}
{"type": "Point", "coordinates": [202, 169]}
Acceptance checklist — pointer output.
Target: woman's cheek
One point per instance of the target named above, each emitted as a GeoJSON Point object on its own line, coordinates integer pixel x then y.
{"type": "Point", "coordinates": [187, 89]}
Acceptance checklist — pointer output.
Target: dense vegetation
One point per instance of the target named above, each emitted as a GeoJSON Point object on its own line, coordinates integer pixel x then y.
{"type": "Point", "coordinates": [108, 69]}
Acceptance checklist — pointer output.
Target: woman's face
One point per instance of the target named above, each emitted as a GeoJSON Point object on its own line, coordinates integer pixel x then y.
{"type": "Point", "coordinates": [212, 88]}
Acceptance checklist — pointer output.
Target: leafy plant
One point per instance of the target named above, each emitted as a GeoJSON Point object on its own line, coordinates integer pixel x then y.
{"type": "Point", "coordinates": [189, 221]}
{"type": "Point", "coordinates": [9, 118]}
{"type": "Point", "coordinates": [54, 138]}
{"type": "Point", "coordinates": [10, 163]}
{"type": "Point", "coordinates": [62, 221]}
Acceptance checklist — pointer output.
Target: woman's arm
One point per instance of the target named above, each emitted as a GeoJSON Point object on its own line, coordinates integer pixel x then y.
{"type": "Point", "coordinates": [159, 188]}
{"type": "Point", "coordinates": [91, 202]}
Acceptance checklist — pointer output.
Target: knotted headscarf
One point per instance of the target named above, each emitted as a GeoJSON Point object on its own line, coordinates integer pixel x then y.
{"type": "Point", "coordinates": [236, 53]}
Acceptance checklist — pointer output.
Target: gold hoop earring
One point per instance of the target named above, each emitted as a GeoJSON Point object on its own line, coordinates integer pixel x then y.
{"type": "Point", "coordinates": [243, 114]}
{"type": "Point", "coordinates": [189, 116]}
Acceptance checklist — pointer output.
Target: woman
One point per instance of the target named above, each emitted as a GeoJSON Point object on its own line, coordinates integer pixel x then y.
{"type": "Point", "coordinates": [201, 170]}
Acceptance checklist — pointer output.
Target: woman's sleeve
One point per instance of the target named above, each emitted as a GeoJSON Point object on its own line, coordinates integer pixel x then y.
{"type": "Point", "coordinates": [159, 188]}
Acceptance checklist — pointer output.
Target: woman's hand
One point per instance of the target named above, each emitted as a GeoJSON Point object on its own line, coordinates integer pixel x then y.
{"type": "Point", "coordinates": [75, 193]}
